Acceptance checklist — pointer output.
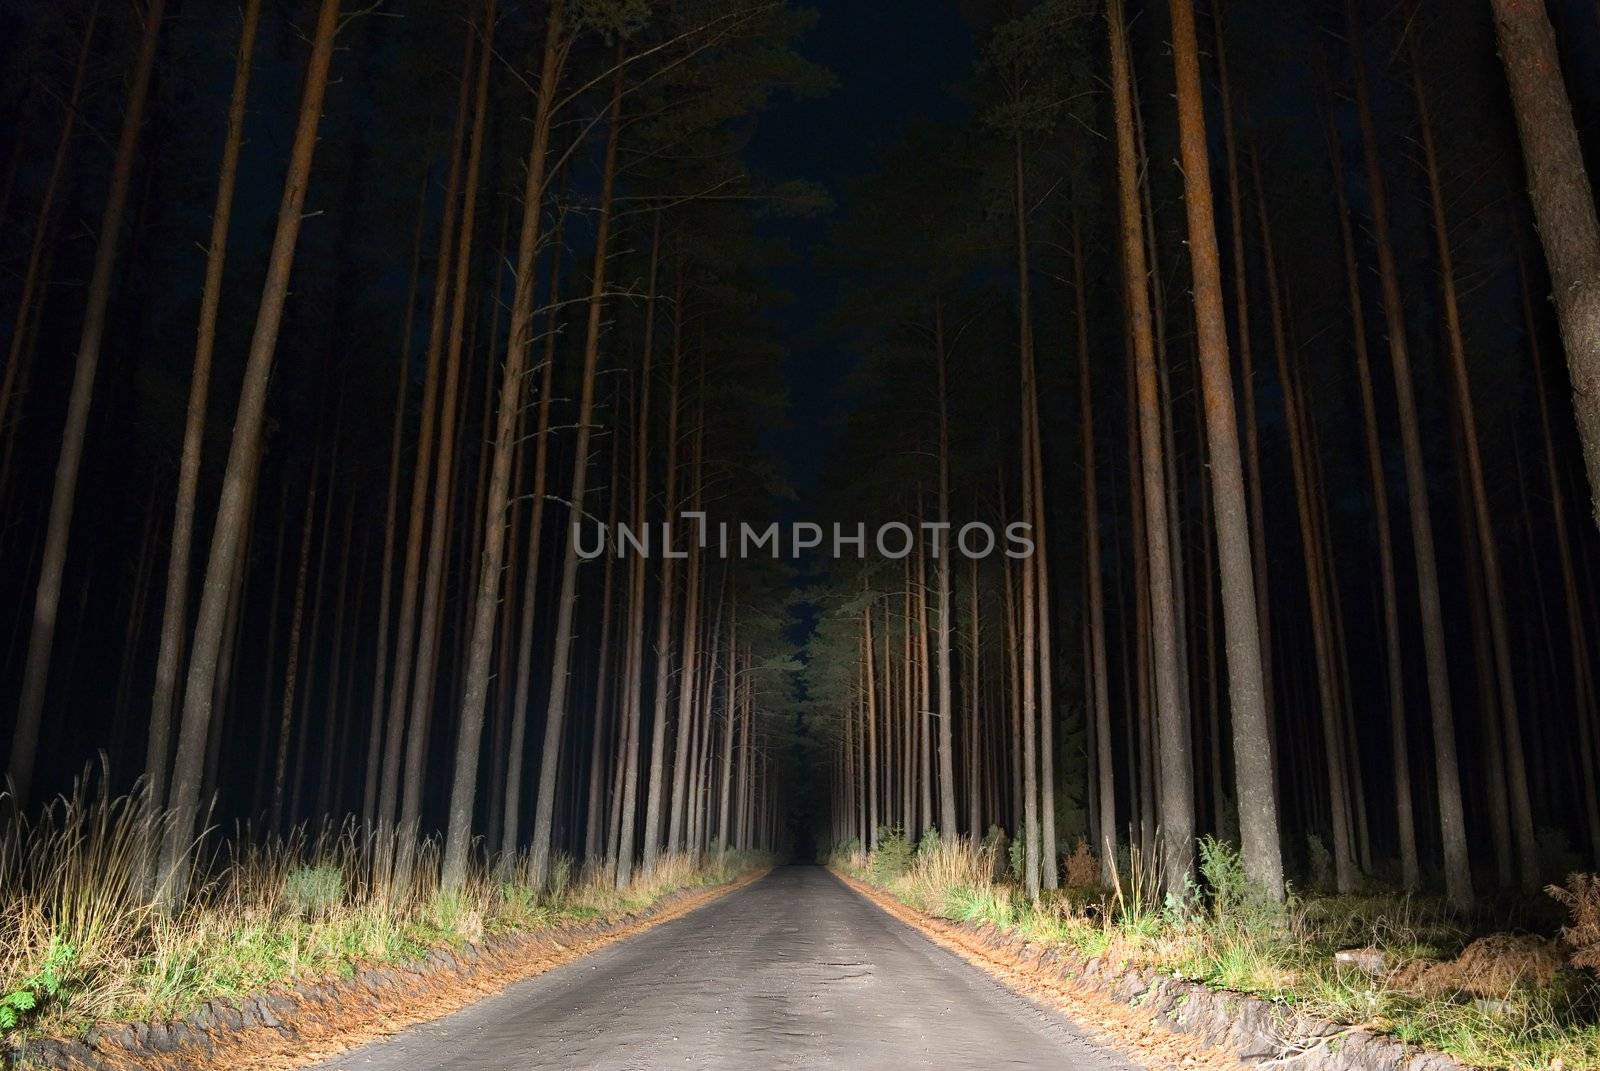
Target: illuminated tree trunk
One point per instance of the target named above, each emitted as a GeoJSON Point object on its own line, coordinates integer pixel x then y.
{"type": "Point", "coordinates": [291, 669]}
{"type": "Point", "coordinates": [1177, 777]}
{"type": "Point", "coordinates": [406, 624]}
{"type": "Point", "coordinates": [239, 477]}
{"type": "Point", "coordinates": [174, 614]}
{"type": "Point", "coordinates": [481, 645]}
{"type": "Point", "coordinates": [429, 633]}
{"type": "Point", "coordinates": [1255, 789]}
{"type": "Point", "coordinates": [555, 714]}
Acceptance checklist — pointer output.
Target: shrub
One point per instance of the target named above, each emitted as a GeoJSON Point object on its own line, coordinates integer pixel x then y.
{"type": "Point", "coordinates": [1019, 859]}
{"type": "Point", "coordinates": [1321, 863]}
{"type": "Point", "coordinates": [929, 843]}
{"type": "Point", "coordinates": [998, 847]}
{"type": "Point", "coordinates": [1083, 869]}
{"type": "Point", "coordinates": [893, 856]}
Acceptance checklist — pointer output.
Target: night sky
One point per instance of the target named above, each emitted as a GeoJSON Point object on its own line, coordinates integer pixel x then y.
{"type": "Point", "coordinates": [832, 140]}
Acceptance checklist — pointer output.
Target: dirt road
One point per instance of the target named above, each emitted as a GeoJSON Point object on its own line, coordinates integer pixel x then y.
{"type": "Point", "coordinates": [795, 971]}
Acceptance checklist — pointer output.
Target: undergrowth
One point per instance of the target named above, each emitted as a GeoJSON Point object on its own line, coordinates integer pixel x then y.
{"type": "Point", "coordinates": [1420, 975]}
{"type": "Point", "coordinates": [80, 942]}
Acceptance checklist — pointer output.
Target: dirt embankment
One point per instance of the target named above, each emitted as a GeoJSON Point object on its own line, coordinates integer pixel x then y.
{"type": "Point", "coordinates": [1166, 1020]}
{"type": "Point", "coordinates": [298, 1025]}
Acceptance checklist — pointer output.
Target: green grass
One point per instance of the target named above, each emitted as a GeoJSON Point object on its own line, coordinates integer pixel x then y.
{"type": "Point", "coordinates": [1229, 938]}
{"type": "Point", "coordinates": [80, 943]}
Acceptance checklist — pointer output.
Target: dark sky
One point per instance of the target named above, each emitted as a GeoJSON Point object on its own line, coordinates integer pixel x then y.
{"type": "Point", "coordinates": [894, 61]}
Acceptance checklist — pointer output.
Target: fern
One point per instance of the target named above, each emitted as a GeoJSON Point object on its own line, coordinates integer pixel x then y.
{"type": "Point", "coordinates": [42, 985]}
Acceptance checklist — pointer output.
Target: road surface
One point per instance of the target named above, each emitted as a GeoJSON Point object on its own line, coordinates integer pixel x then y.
{"type": "Point", "coordinates": [793, 971]}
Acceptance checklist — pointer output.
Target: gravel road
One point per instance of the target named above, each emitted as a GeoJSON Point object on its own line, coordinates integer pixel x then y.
{"type": "Point", "coordinates": [794, 971]}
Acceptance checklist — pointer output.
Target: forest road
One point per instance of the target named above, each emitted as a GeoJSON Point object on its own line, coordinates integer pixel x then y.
{"type": "Point", "coordinates": [793, 971]}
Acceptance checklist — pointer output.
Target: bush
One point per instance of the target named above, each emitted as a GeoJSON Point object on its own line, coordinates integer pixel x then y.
{"type": "Point", "coordinates": [893, 856]}
{"type": "Point", "coordinates": [1019, 859]}
{"type": "Point", "coordinates": [998, 847]}
{"type": "Point", "coordinates": [929, 843]}
{"type": "Point", "coordinates": [1083, 869]}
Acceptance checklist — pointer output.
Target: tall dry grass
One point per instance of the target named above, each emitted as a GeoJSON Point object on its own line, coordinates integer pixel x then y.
{"type": "Point", "coordinates": [80, 941]}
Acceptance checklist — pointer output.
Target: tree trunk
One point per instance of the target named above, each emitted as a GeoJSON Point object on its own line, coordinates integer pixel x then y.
{"type": "Point", "coordinates": [429, 631]}
{"type": "Point", "coordinates": [240, 475]}
{"type": "Point", "coordinates": [406, 623]}
{"type": "Point", "coordinates": [1563, 205]}
{"type": "Point", "coordinates": [175, 607]}
{"type": "Point", "coordinates": [475, 692]}
{"type": "Point", "coordinates": [555, 714]}
{"type": "Point", "coordinates": [1494, 589]}
{"type": "Point", "coordinates": [1452, 821]}
{"type": "Point", "coordinates": [1255, 789]}
{"type": "Point", "coordinates": [1405, 821]}
{"type": "Point", "coordinates": [291, 670]}
{"type": "Point", "coordinates": [1177, 777]}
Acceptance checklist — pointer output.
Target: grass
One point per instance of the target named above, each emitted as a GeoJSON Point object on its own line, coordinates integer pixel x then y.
{"type": "Point", "coordinates": [80, 943]}
{"type": "Point", "coordinates": [1226, 936]}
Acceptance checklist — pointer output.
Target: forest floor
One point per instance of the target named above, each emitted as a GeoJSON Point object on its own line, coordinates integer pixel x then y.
{"type": "Point", "coordinates": [1391, 964]}
{"type": "Point", "coordinates": [80, 945]}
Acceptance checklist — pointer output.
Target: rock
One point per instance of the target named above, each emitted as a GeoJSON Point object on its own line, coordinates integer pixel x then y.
{"type": "Point", "coordinates": [1366, 960]}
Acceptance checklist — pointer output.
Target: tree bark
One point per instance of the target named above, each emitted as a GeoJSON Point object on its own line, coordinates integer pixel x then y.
{"type": "Point", "coordinates": [1177, 777]}
{"type": "Point", "coordinates": [175, 606]}
{"type": "Point", "coordinates": [555, 714]}
{"type": "Point", "coordinates": [1563, 205]}
{"type": "Point", "coordinates": [1452, 821]}
{"type": "Point", "coordinates": [240, 475]}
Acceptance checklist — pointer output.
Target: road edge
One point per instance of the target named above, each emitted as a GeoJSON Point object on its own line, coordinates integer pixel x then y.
{"type": "Point", "coordinates": [311, 1021]}
{"type": "Point", "coordinates": [1149, 1014]}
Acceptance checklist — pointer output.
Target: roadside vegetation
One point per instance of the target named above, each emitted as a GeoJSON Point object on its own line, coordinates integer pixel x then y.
{"type": "Point", "coordinates": [81, 944]}
{"type": "Point", "coordinates": [1402, 965]}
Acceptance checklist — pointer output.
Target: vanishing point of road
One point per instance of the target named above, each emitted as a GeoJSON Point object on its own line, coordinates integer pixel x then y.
{"type": "Point", "coordinates": [793, 971]}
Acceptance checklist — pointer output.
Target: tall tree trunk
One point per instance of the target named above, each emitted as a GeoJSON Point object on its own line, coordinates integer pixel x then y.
{"type": "Point", "coordinates": [175, 606]}
{"type": "Point", "coordinates": [1255, 789]}
{"type": "Point", "coordinates": [521, 699]}
{"type": "Point", "coordinates": [1177, 777]}
{"type": "Point", "coordinates": [429, 630]}
{"type": "Point", "coordinates": [1095, 671]}
{"type": "Point", "coordinates": [291, 670]}
{"type": "Point", "coordinates": [668, 592]}
{"type": "Point", "coordinates": [1494, 588]}
{"type": "Point", "coordinates": [47, 596]}
{"type": "Point", "coordinates": [1311, 543]}
{"type": "Point", "coordinates": [1405, 822]}
{"type": "Point", "coordinates": [476, 688]}
{"type": "Point", "coordinates": [729, 717]}
{"type": "Point", "coordinates": [947, 766]}
{"type": "Point", "coordinates": [406, 648]}
{"type": "Point", "coordinates": [239, 477]}
{"type": "Point", "coordinates": [687, 686]}
{"type": "Point", "coordinates": [1252, 455]}
{"type": "Point", "coordinates": [556, 712]}
{"type": "Point", "coordinates": [592, 846]}
{"type": "Point", "coordinates": [1452, 821]}
{"type": "Point", "coordinates": [1582, 668]}
{"type": "Point", "coordinates": [1563, 205]}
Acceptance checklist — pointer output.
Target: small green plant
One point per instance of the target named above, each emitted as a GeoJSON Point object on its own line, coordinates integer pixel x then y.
{"type": "Point", "coordinates": [1321, 863]}
{"type": "Point", "coordinates": [893, 856]}
{"type": "Point", "coordinates": [929, 843]}
{"type": "Point", "coordinates": [42, 985]}
{"type": "Point", "coordinates": [313, 891]}
{"type": "Point", "coordinates": [1017, 855]}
